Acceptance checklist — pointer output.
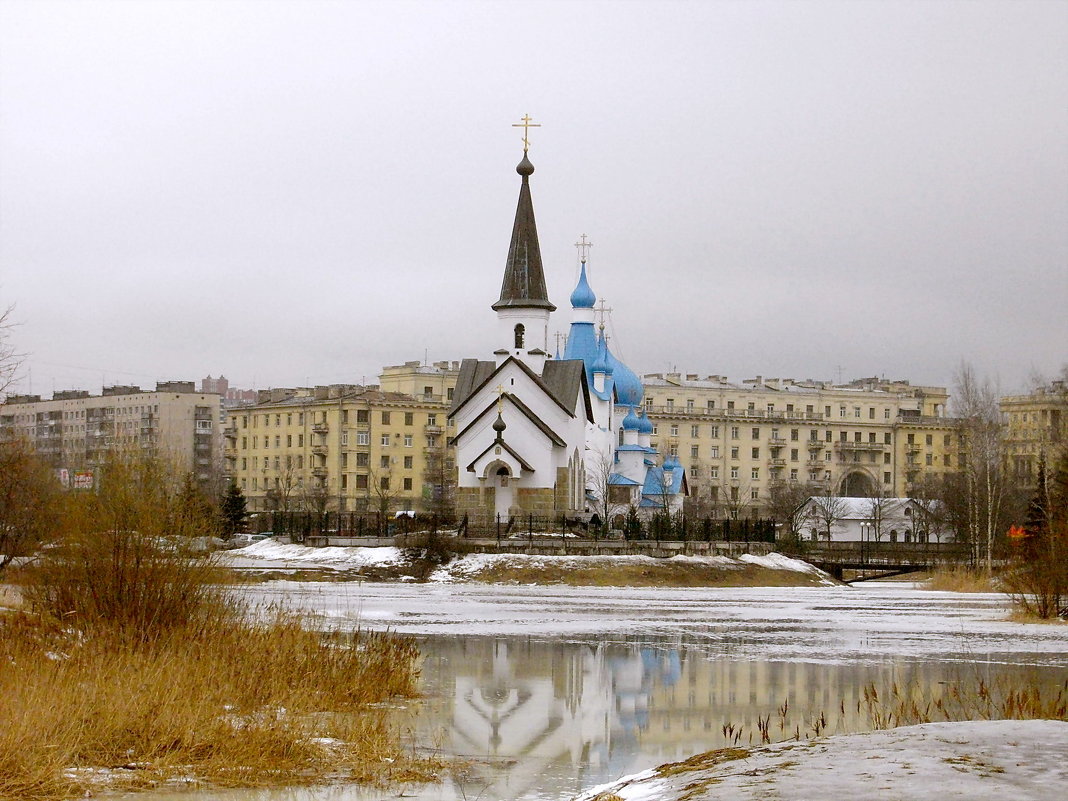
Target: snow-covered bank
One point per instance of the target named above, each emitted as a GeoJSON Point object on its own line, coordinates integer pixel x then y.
{"type": "Point", "coordinates": [974, 760]}
{"type": "Point", "coordinates": [271, 553]}
{"type": "Point", "coordinates": [633, 570]}
{"type": "Point", "coordinates": [391, 563]}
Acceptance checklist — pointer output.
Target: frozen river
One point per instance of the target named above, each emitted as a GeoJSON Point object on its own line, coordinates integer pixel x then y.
{"type": "Point", "coordinates": [545, 691]}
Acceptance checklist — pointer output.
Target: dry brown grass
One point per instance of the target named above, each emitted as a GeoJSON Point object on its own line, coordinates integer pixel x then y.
{"type": "Point", "coordinates": [620, 573]}
{"type": "Point", "coordinates": [960, 579]}
{"type": "Point", "coordinates": [10, 597]}
{"type": "Point", "coordinates": [978, 700]}
{"type": "Point", "coordinates": [241, 704]}
{"type": "Point", "coordinates": [130, 664]}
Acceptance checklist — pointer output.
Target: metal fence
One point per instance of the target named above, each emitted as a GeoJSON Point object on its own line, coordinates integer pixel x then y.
{"type": "Point", "coordinates": [302, 525]}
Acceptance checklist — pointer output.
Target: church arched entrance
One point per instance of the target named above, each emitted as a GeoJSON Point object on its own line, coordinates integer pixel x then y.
{"type": "Point", "coordinates": [504, 491]}
{"type": "Point", "coordinates": [857, 485]}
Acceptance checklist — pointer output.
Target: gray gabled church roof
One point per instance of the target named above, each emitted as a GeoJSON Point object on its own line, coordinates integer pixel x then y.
{"type": "Point", "coordinates": [524, 279]}
{"type": "Point", "coordinates": [563, 381]}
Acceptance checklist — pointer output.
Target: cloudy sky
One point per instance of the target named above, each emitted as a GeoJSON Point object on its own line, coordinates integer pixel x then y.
{"type": "Point", "coordinates": [301, 192]}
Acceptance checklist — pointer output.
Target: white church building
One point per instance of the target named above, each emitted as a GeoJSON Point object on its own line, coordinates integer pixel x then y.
{"type": "Point", "coordinates": [537, 434]}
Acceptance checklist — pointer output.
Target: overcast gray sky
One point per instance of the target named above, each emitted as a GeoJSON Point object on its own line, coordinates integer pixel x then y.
{"type": "Point", "coordinates": [301, 192]}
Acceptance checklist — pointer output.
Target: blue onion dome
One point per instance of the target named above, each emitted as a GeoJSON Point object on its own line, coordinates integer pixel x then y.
{"type": "Point", "coordinates": [671, 463]}
{"type": "Point", "coordinates": [631, 421]}
{"type": "Point", "coordinates": [601, 364]}
{"type": "Point", "coordinates": [646, 425]}
{"type": "Point", "coordinates": [629, 389]}
{"type": "Point", "coordinates": [583, 297]}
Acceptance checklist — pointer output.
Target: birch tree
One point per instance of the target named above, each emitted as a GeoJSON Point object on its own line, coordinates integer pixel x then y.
{"type": "Point", "coordinates": [976, 406]}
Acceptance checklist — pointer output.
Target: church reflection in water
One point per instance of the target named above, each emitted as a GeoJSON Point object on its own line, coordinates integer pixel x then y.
{"type": "Point", "coordinates": [531, 714]}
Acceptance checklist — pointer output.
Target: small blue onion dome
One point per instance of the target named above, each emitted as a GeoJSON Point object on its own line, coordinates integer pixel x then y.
{"type": "Point", "coordinates": [629, 389]}
{"type": "Point", "coordinates": [671, 463]}
{"type": "Point", "coordinates": [601, 364]}
{"type": "Point", "coordinates": [583, 297]}
{"type": "Point", "coordinates": [631, 421]}
{"type": "Point", "coordinates": [646, 425]}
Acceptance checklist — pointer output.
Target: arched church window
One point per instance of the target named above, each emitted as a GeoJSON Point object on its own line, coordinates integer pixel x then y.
{"type": "Point", "coordinates": [519, 331]}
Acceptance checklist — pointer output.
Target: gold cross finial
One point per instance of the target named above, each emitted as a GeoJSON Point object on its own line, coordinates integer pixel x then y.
{"type": "Point", "coordinates": [526, 125]}
{"type": "Point", "coordinates": [500, 396]}
{"type": "Point", "coordinates": [583, 246]}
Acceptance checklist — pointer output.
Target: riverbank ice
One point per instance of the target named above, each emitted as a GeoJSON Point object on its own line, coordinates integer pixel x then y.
{"type": "Point", "coordinates": [976, 760]}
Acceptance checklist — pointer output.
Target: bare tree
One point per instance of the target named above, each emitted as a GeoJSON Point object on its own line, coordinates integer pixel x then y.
{"type": "Point", "coordinates": [976, 404]}
{"type": "Point", "coordinates": [441, 475]}
{"type": "Point", "coordinates": [280, 497]}
{"type": "Point", "coordinates": [825, 511]}
{"type": "Point", "coordinates": [783, 502]}
{"type": "Point", "coordinates": [599, 480]}
{"type": "Point", "coordinates": [10, 359]}
{"type": "Point", "coordinates": [316, 499]}
{"type": "Point", "coordinates": [29, 501]}
{"type": "Point", "coordinates": [383, 492]}
{"type": "Point", "coordinates": [733, 500]}
{"type": "Point", "coordinates": [878, 507]}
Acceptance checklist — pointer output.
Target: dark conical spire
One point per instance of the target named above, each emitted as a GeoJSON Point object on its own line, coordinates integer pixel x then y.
{"type": "Point", "coordinates": [524, 279]}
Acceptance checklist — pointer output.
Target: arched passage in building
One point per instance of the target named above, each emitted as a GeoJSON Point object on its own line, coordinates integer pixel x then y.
{"type": "Point", "coordinates": [857, 485]}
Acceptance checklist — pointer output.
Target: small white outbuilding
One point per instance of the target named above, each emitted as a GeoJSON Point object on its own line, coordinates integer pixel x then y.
{"type": "Point", "coordinates": [835, 518]}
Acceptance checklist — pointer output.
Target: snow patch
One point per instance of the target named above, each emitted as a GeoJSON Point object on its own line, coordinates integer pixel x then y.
{"type": "Point", "coordinates": [473, 564]}
{"type": "Point", "coordinates": [331, 556]}
{"type": "Point", "coordinates": [976, 760]}
{"type": "Point", "coordinates": [776, 561]}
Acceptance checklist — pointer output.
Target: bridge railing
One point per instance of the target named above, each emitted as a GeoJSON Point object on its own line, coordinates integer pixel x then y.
{"type": "Point", "coordinates": [888, 553]}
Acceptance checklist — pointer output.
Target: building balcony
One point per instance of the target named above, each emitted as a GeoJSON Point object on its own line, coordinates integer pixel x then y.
{"type": "Point", "coordinates": [776, 463]}
{"type": "Point", "coordinates": [230, 432]}
{"type": "Point", "coordinates": [776, 442]}
{"type": "Point", "coordinates": [319, 472]}
{"type": "Point", "coordinates": [320, 428]}
{"type": "Point", "coordinates": [859, 446]}
{"type": "Point", "coordinates": [230, 453]}
{"type": "Point", "coordinates": [815, 465]}
{"type": "Point", "coordinates": [319, 450]}
{"type": "Point", "coordinates": [432, 429]}
{"type": "Point", "coordinates": [731, 414]}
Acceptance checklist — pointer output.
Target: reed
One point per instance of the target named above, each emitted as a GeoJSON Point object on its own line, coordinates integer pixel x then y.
{"type": "Point", "coordinates": [960, 579]}
{"type": "Point", "coordinates": [906, 705]}
{"type": "Point", "coordinates": [242, 703]}
{"type": "Point", "coordinates": [129, 664]}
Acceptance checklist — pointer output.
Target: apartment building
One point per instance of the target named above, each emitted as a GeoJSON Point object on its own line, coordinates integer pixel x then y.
{"type": "Point", "coordinates": [739, 440]}
{"type": "Point", "coordinates": [342, 447]}
{"type": "Point", "coordinates": [75, 431]}
{"type": "Point", "coordinates": [433, 382]}
{"type": "Point", "coordinates": [1034, 425]}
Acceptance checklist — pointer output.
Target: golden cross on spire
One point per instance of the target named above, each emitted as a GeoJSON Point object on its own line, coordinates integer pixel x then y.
{"type": "Point", "coordinates": [500, 397]}
{"type": "Point", "coordinates": [583, 248]}
{"type": "Point", "coordinates": [526, 125]}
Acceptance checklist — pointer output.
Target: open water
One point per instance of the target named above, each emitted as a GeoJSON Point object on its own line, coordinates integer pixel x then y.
{"type": "Point", "coordinates": [545, 691]}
